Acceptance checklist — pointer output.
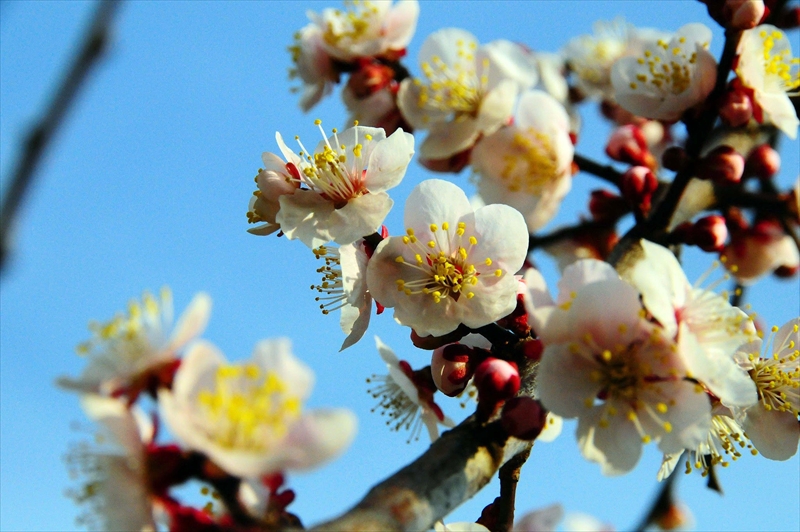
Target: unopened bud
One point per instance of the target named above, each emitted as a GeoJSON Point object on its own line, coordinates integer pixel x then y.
{"type": "Point", "coordinates": [450, 368]}
{"type": "Point", "coordinates": [786, 272]}
{"type": "Point", "coordinates": [764, 162]}
{"type": "Point", "coordinates": [638, 185]}
{"type": "Point", "coordinates": [523, 418]}
{"type": "Point", "coordinates": [496, 380]}
{"type": "Point", "coordinates": [628, 144]}
{"type": "Point", "coordinates": [742, 14]}
{"type": "Point", "coordinates": [723, 165]}
{"type": "Point", "coordinates": [736, 108]}
{"type": "Point", "coordinates": [369, 78]}
{"type": "Point", "coordinates": [674, 158]}
{"type": "Point", "coordinates": [533, 349]}
{"type": "Point", "coordinates": [607, 206]}
{"type": "Point", "coordinates": [453, 164]}
{"type": "Point", "coordinates": [710, 233]}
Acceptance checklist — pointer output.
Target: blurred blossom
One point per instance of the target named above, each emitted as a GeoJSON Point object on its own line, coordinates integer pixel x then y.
{"type": "Point", "coordinates": [759, 250]}
{"type": "Point", "coordinates": [467, 90]}
{"type": "Point", "coordinates": [528, 165]}
{"type": "Point", "coordinates": [248, 417]}
{"type": "Point", "coordinates": [342, 184]}
{"type": "Point", "coordinates": [668, 77]}
{"type": "Point", "coordinates": [549, 518]}
{"type": "Point", "coordinates": [453, 266]}
{"type": "Point", "coordinates": [313, 66]}
{"type": "Point", "coordinates": [766, 66]}
{"type": "Point", "coordinates": [127, 348]}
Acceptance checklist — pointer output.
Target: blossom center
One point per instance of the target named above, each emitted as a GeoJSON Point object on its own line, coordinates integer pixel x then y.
{"type": "Point", "coordinates": [532, 164]}
{"type": "Point", "coordinates": [724, 439]}
{"type": "Point", "coordinates": [779, 66]}
{"type": "Point", "coordinates": [443, 266]}
{"type": "Point", "coordinates": [354, 23]}
{"type": "Point", "coordinates": [667, 70]}
{"type": "Point", "coordinates": [249, 408]}
{"type": "Point", "coordinates": [453, 88]}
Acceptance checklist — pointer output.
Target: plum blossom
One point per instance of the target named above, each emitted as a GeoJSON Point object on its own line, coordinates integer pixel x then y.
{"type": "Point", "coordinates": [273, 181]}
{"type": "Point", "coordinates": [707, 327]}
{"type": "Point", "coordinates": [117, 488]}
{"type": "Point", "coordinates": [453, 266]}
{"type": "Point", "coordinates": [366, 28]}
{"type": "Point", "coordinates": [528, 165]}
{"type": "Point", "coordinates": [771, 424]}
{"type": "Point", "coordinates": [248, 417]}
{"type": "Point", "coordinates": [344, 285]}
{"type": "Point", "coordinates": [467, 90]}
{"type": "Point", "coordinates": [766, 66]}
{"type": "Point", "coordinates": [668, 77]}
{"type": "Point", "coordinates": [547, 519]}
{"type": "Point", "coordinates": [127, 347]}
{"type": "Point", "coordinates": [406, 398]}
{"type": "Point", "coordinates": [614, 371]}
{"type": "Point", "coordinates": [342, 184]}
{"type": "Point", "coordinates": [313, 66]}
{"type": "Point", "coordinates": [759, 250]}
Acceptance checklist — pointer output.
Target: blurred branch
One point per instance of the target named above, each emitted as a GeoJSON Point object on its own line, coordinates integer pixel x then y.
{"type": "Point", "coordinates": [95, 42]}
{"type": "Point", "coordinates": [606, 173]}
{"type": "Point", "coordinates": [661, 504]}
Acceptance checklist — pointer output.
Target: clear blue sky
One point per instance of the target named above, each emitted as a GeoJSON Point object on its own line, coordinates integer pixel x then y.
{"type": "Point", "coordinates": [148, 183]}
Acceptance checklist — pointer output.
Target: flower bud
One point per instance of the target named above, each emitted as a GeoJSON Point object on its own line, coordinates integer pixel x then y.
{"type": "Point", "coordinates": [736, 108]}
{"type": "Point", "coordinates": [764, 162]}
{"type": "Point", "coordinates": [451, 368]}
{"type": "Point", "coordinates": [369, 78]}
{"type": "Point", "coordinates": [723, 165]}
{"type": "Point", "coordinates": [523, 417]}
{"type": "Point", "coordinates": [606, 206]}
{"type": "Point", "coordinates": [742, 14]}
{"type": "Point", "coordinates": [628, 144]}
{"type": "Point", "coordinates": [759, 250]}
{"type": "Point", "coordinates": [674, 158]}
{"type": "Point", "coordinates": [709, 233]}
{"type": "Point", "coordinates": [533, 349]}
{"type": "Point", "coordinates": [638, 185]}
{"type": "Point", "coordinates": [453, 164]}
{"type": "Point", "coordinates": [496, 380]}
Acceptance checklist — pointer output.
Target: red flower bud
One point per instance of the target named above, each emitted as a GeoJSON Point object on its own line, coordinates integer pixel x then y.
{"type": "Point", "coordinates": [451, 368]}
{"type": "Point", "coordinates": [523, 417]}
{"type": "Point", "coordinates": [453, 164]}
{"type": "Point", "coordinates": [533, 349]}
{"type": "Point", "coordinates": [628, 144]}
{"type": "Point", "coordinates": [710, 233]}
{"type": "Point", "coordinates": [638, 185]}
{"type": "Point", "coordinates": [742, 14]}
{"type": "Point", "coordinates": [736, 108]}
{"type": "Point", "coordinates": [763, 162]}
{"type": "Point", "coordinates": [607, 206]}
{"type": "Point", "coordinates": [496, 380]}
{"type": "Point", "coordinates": [723, 165]}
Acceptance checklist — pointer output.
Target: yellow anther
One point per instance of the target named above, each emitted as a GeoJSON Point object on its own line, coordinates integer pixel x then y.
{"type": "Point", "coordinates": [473, 241]}
{"type": "Point", "coordinates": [445, 226]}
{"type": "Point", "coordinates": [434, 228]}
{"type": "Point", "coordinates": [431, 244]}
{"type": "Point", "coordinates": [399, 259]}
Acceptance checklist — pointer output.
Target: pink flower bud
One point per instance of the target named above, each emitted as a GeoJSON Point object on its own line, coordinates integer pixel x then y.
{"type": "Point", "coordinates": [496, 380]}
{"type": "Point", "coordinates": [723, 165]}
{"type": "Point", "coordinates": [451, 369]}
{"type": "Point", "coordinates": [607, 206]}
{"type": "Point", "coordinates": [743, 14]}
{"type": "Point", "coordinates": [764, 162]}
{"type": "Point", "coordinates": [628, 144]}
{"type": "Point", "coordinates": [736, 108]}
{"type": "Point", "coordinates": [523, 417]}
{"type": "Point", "coordinates": [638, 185]}
{"type": "Point", "coordinates": [710, 233]}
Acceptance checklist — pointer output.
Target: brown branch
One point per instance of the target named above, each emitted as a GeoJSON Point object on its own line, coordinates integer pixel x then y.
{"type": "Point", "coordinates": [95, 42]}
{"type": "Point", "coordinates": [565, 233]}
{"type": "Point", "coordinates": [606, 173]}
{"type": "Point", "coordinates": [509, 477]}
{"type": "Point", "coordinates": [661, 504]}
{"type": "Point", "coordinates": [699, 131]}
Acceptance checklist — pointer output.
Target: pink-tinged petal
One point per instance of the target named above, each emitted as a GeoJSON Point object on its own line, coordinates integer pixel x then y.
{"type": "Point", "coordinates": [448, 138]}
{"type": "Point", "coordinates": [304, 215]}
{"type": "Point", "coordinates": [508, 60]}
{"type": "Point", "coordinates": [539, 110]}
{"type": "Point", "coordinates": [400, 24]}
{"type": "Point", "coordinates": [435, 201]}
{"type": "Point", "coordinates": [564, 383]}
{"type": "Point", "coordinates": [545, 519]}
{"type": "Point", "coordinates": [388, 162]}
{"type": "Point", "coordinates": [493, 300]}
{"type": "Point", "coordinates": [503, 237]}
{"type": "Point", "coordinates": [408, 103]}
{"type": "Point", "coordinates": [581, 273]}
{"type": "Point", "coordinates": [319, 436]}
{"type": "Point", "coordinates": [780, 111]}
{"type": "Point", "coordinates": [383, 272]}
{"type": "Point", "coordinates": [276, 355]}
{"type": "Point", "coordinates": [539, 295]}
{"type": "Point", "coordinates": [431, 423]}
{"type": "Point", "coordinates": [496, 108]}
{"type": "Point", "coordinates": [273, 163]}
{"type": "Point", "coordinates": [688, 413]}
{"type": "Point", "coordinates": [192, 322]}
{"type": "Point", "coordinates": [608, 311]}
{"type": "Point", "coordinates": [668, 464]}
{"type": "Point", "coordinates": [774, 434]}
{"type": "Point", "coordinates": [360, 217]}
{"type": "Point", "coordinates": [616, 447]}
{"type": "Point", "coordinates": [288, 154]}
{"type": "Point", "coordinates": [551, 324]}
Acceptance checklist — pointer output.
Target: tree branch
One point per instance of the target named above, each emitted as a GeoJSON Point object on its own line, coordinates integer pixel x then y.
{"type": "Point", "coordinates": [95, 42]}
{"type": "Point", "coordinates": [509, 477]}
{"type": "Point", "coordinates": [606, 173]}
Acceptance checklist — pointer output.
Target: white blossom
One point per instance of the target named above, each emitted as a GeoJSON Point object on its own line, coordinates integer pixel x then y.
{"type": "Point", "coordinates": [668, 77]}
{"type": "Point", "coordinates": [312, 65]}
{"type": "Point", "coordinates": [453, 266]}
{"type": "Point", "coordinates": [528, 165]}
{"type": "Point", "coordinates": [248, 417]}
{"type": "Point", "coordinates": [590, 57]}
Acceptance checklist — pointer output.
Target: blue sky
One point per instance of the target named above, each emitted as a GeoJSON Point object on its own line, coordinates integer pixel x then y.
{"type": "Point", "coordinates": [147, 185]}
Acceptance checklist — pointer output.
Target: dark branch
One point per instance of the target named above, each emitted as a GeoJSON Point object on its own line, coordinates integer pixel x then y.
{"type": "Point", "coordinates": [606, 173]}
{"type": "Point", "coordinates": [509, 477]}
{"type": "Point", "coordinates": [95, 42]}
{"type": "Point", "coordinates": [661, 504]}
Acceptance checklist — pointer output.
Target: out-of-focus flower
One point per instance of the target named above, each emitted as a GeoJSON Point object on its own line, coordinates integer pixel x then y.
{"type": "Point", "coordinates": [614, 371]}
{"type": "Point", "coordinates": [758, 250]}
{"type": "Point", "coordinates": [743, 14]}
{"type": "Point", "coordinates": [247, 417]}
{"type": "Point", "coordinates": [313, 66]}
{"type": "Point", "coordinates": [129, 346]}
{"type": "Point", "coordinates": [342, 184]}
{"type": "Point", "coordinates": [117, 488]}
{"type": "Point", "coordinates": [468, 90]}
{"type": "Point", "coordinates": [366, 28]}
{"type": "Point", "coordinates": [772, 424]}
{"type": "Point", "coordinates": [344, 285]}
{"type": "Point", "coordinates": [406, 398]}
{"type": "Point", "coordinates": [668, 77]}
{"type": "Point", "coordinates": [461, 526]}
{"type": "Point", "coordinates": [528, 165]}
{"type": "Point", "coordinates": [454, 265]}
{"type": "Point", "coordinates": [548, 518]}
{"type": "Point", "coordinates": [706, 327]}
{"type": "Point", "coordinates": [766, 66]}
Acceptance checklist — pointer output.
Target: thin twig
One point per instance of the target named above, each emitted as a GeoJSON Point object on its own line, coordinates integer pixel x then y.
{"type": "Point", "coordinates": [95, 42]}
{"type": "Point", "coordinates": [606, 173]}
{"type": "Point", "coordinates": [661, 504]}
{"type": "Point", "coordinates": [565, 233]}
{"type": "Point", "coordinates": [509, 477]}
